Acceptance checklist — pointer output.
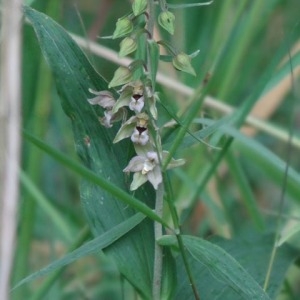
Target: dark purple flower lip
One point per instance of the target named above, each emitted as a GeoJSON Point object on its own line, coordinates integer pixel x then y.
{"type": "Point", "coordinates": [140, 129]}
{"type": "Point", "coordinates": [136, 97]}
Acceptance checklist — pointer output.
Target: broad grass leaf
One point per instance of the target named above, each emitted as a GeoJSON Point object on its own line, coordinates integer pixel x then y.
{"type": "Point", "coordinates": [74, 75]}
{"type": "Point", "coordinates": [231, 269]}
{"type": "Point", "coordinates": [91, 247]}
{"type": "Point", "coordinates": [94, 178]}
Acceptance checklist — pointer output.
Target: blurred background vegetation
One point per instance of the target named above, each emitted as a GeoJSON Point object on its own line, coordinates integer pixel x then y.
{"type": "Point", "coordinates": [237, 40]}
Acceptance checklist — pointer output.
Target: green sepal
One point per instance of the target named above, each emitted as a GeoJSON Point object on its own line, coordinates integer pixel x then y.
{"type": "Point", "coordinates": [123, 27]}
{"type": "Point", "coordinates": [182, 62]}
{"type": "Point", "coordinates": [121, 76]}
{"type": "Point", "coordinates": [127, 46]}
{"type": "Point", "coordinates": [139, 6]}
{"type": "Point", "coordinates": [166, 20]}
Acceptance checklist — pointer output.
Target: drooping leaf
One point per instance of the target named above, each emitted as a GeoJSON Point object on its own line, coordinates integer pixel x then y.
{"type": "Point", "coordinates": [88, 248]}
{"type": "Point", "coordinates": [94, 178]}
{"type": "Point", "coordinates": [74, 75]}
{"type": "Point", "coordinates": [232, 269]}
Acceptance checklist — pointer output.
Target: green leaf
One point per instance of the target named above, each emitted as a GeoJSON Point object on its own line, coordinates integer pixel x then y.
{"type": "Point", "coordinates": [94, 246]}
{"type": "Point", "coordinates": [189, 5]}
{"type": "Point", "coordinates": [74, 75]}
{"type": "Point", "coordinates": [266, 160]}
{"type": "Point", "coordinates": [288, 233]}
{"type": "Point", "coordinates": [245, 191]}
{"type": "Point", "coordinates": [232, 269]}
{"type": "Point", "coordinates": [95, 179]}
{"type": "Point", "coordinates": [222, 265]}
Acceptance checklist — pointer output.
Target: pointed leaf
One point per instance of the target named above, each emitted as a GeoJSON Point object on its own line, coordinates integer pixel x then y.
{"type": "Point", "coordinates": [74, 76]}
{"type": "Point", "coordinates": [222, 265]}
{"type": "Point", "coordinates": [88, 248]}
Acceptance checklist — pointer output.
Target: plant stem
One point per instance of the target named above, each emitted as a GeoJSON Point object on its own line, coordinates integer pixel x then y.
{"type": "Point", "coordinates": [151, 20]}
{"type": "Point", "coordinates": [158, 251]}
{"type": "Point", "coordinates": [181, 246]}
{"type": "Point", "coordinates": [289, 149]}
{"type": "Point", "coordinates": [187, 266]}
{"type": "Point", "coordinates": [10, 139]}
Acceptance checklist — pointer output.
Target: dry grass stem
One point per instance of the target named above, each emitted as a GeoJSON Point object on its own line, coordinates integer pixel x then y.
{"type": "Point", "coordinates": [255, 123]}
{"type": "Point", "coordinates": [10, 95]}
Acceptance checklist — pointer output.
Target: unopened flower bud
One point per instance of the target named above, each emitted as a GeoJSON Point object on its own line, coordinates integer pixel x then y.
{"type": "Point", "coordinates": [139, 6]}
{"type": "Point", "coordinates": [122, 75]}
{"type": "Point", "coordinates": [166, 20]}
{"type": "Point", "coordinates": [123, 27]}
{"type": "Point", "coordinates": [182, 62]}
{"type": "Point", "coordinates": [127, 46]}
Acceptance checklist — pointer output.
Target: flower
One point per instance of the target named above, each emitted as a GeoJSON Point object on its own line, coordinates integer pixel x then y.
{"type": "Point", "coordinates": [106, 100]}
{"type": "Point", "coordinates": [145, 168]}
{"type": "Point", "coordinates": [107, 119]}
{"type": "Point", "coordinates": [140, 135]}
{"type": "Point", "coordinates": [132, 95]}
{"type": "Point", "coordinates": [137, 128]}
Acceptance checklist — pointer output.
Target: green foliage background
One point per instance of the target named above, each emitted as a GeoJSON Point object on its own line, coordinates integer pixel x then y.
{"type": "Point", "coordinates": [242, 45]}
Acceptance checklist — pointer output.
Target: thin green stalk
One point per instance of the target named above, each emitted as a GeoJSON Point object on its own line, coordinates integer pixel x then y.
{"type": "Point", "coordinates": [182, 249]}
{"type": "Point", "coordinates": [211, 171]}
{"type": "Point", "coordinates": [187, 266]}
{"type": "Point", "coordinates": [245, 190]}
{"type": "Point", "coordinates": [285, 176]}
{"type": "Point", "coordinates": [270, 265]}
{"type": "Point", "coordinates": [197, 103]}
{"type": "Point", "coordinates": [243, 43]}
{"type": "Point", "coordinates": [159, 196]}
{"type": "Point", "coordinates": [151, 20]}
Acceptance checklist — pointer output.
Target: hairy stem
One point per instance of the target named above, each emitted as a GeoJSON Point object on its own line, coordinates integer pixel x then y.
{"type": "Point", "coordinates": [158, 252]}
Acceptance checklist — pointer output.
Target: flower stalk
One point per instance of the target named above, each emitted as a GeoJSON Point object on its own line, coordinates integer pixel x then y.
{"type": "Point", "coordinates": [135, 105]}
{"type": "Point", "coordinates": [158, 251]}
